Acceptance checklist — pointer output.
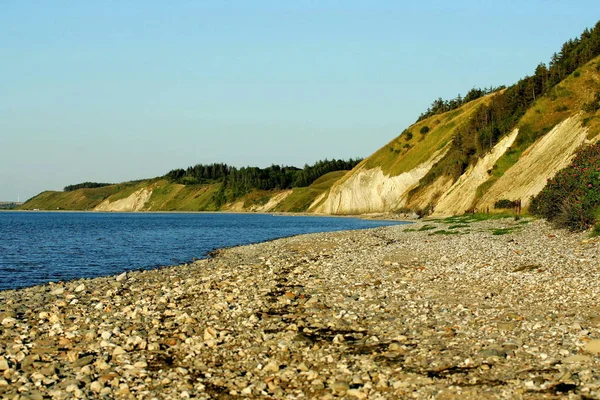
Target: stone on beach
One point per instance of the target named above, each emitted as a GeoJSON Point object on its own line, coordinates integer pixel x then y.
{"type": "Point", "coordinates": [381, 313]}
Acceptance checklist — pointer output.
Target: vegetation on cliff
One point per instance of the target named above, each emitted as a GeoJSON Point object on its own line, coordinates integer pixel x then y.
{"type": "Point", "coordinates": [440, 106]}
{"type": "Point", "coordinates": [572, 198]}
{"type": "Point", "coordinates": [86, 185]}
{"type": "Point", "coordinates": [490, 149]}
{"type": "Point", "coordinates": [501, 114]}
{"type": "Point", "coordinates": [247, 178]}
{"type": "Point", "coordinates": [236, 182]}
{"type": "Point", "coordinates": [211, 187]}
{"type": "Point", "coordinates": [494, 144]}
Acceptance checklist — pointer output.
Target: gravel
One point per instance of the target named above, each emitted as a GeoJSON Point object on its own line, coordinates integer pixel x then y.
{"type": "Point", "coordinates": [492, 309]}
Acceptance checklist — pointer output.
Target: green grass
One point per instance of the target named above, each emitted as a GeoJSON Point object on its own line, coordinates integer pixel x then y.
{"type": "Point", "coordinates": [506, 161]}
{"type": "Point", "coordinates": [458, 226]}
{"type": "Point", "coordinates": [257, 198]}
{"type": "Point", "coordinates": [81, 199]}
{"type": "Point", "coordinates": [326, 181]}
{"type": "Point", "coordinates": [301, 198]}
{"type": "Point", "coordinates": [564, 100]}
{"type": "Point", "coordinates": [445, 232]}
{"type": "Point", "coordinates": [175, 197]}
{"type": "Point", "coordinates": [395, 158]}
{"type": "Point", "coordinates": [468, 218]}
{"type": "Point", "coordinates": [426, 228]}
{"type": "Point", "coordinates": [502, 231]}
{"type": "Point", "coordinates": [260, 201]}
{"type": "Point", "coordinates": [596, 229]}
{"type": "Point", "coordinates": [167, 196]}
{"type": "Point", "coordinates": [126, 189]}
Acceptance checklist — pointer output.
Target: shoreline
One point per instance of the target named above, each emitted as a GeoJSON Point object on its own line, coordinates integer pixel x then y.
{"type": "Point", "coordinates": [375, 216]}
{"type": "Point", "coordinates": [406, 310]}
{"type": "Point", "coordinates": [205, 253]}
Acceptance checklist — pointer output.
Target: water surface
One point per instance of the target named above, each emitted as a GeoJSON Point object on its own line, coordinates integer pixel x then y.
{"type": "Point", "coordinates": [38, 247]}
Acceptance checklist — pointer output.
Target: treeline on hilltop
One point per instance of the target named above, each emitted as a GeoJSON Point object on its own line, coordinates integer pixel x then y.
{"type": "Point", "coordinates": [241, 180]}
{"type": "Point", "coordinates": [440, 106]}
{"type": "Point", "coordinates": [493, 120]}
{"type": "Point", "coordinates": [573, 54]}
{"type": "Point", "coordinates": [85, 185]}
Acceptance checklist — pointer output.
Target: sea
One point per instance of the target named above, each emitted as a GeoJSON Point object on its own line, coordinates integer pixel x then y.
{"type": "Point", "coordinates": [40, 247]}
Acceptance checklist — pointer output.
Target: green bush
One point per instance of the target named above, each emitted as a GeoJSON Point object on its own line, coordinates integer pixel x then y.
{"type": "Point", "coordinates": [594, 105]}
{"type": "Point", "coordinates": [572, 198]}
{"type": "Point", "coordinates": [407, 135]}
{"type": "Point", "coordinates": [505, 204]}
{"type": "Point", "coordinates": [424, 211]}
{"type": "Point", "coordinates": [424, 130]}
{"type": "Point", "coordinates": [86, 185]}
{"type": "Point", "coordinates": [562, 108]}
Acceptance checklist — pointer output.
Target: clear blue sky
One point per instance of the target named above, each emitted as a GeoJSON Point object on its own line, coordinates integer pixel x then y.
{"type": "Point", "coordinates": [119, 90]}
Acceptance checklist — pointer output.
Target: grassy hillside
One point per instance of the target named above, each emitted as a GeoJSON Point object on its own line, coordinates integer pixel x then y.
{"type": "Point", "coordinates": [467, 153]}
{"type": "Point", "coordinates": [572, 95]}
{"type": "Point", "coordinates": [463, 153]}
{"type": "Point", "coordinates": [169, 196]}
{"type": "Point", "coordinates": [81, 199]}
{"type": "Point", "coordinates": [301, 198]}
{"type": "Point", "coordinates": [417, 144]}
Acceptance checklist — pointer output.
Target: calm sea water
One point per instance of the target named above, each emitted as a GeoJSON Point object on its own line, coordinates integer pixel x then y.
{"type": "Point", "coordinates": [38, 247]}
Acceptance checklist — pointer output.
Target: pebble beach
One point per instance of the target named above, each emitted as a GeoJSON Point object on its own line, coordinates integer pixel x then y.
{"type": "Point", "coordinates": [459, 309]}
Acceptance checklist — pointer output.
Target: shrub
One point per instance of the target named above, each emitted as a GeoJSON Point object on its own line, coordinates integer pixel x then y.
{"type": "Point", "coordinates": [571, 199]}
{"type": "Point", "coordinates": [562, 108]}
{"type": "Point", "coordinates": [506, 204]}
{"type": "Point", "coordinates": [86, 185]}
{"type": "Point", "coordinates": [425, 211]}
{"type": "Point", "coordinates": [576, 74]}
{"type": "Point", "coordinates": [424, 130]}
{"type": "Point", "coordinates": [407, 135]}
{"type": "Point", "coordinates": [594, 105]}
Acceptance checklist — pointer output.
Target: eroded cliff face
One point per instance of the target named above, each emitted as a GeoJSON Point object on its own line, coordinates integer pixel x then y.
{"type": "Point", "coordinates": [370, 190]}
{"type": "Point", "coordinates": [134, 202]}
{"type": "Point", "coordinates": [273, 202]}
{"type": "Point", "coordinates": [461, 195]}
{"type": "Point", "coordinates": [540, 162]}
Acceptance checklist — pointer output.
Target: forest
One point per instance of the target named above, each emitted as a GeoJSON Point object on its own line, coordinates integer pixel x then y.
{"type": "Point", "coordinates": [85, 185]}
{"type": "Point", "coordinates": [239, 181]}
{"type": "Point", "coordinates": [495, 119]}
{"type": "Point", "coordinates": [440, 105]}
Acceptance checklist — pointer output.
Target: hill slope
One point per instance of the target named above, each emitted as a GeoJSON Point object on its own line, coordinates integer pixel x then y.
{"type": "Point", "coordinates": [163, 195]}
{"type": "Point", "coordinates": [495, 146]}
{"type": "Point", "coordinates": [418, 171]}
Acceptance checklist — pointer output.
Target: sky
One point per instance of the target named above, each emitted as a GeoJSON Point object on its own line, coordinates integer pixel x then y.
{"type": "Point", "coordinates": [110, 91]}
